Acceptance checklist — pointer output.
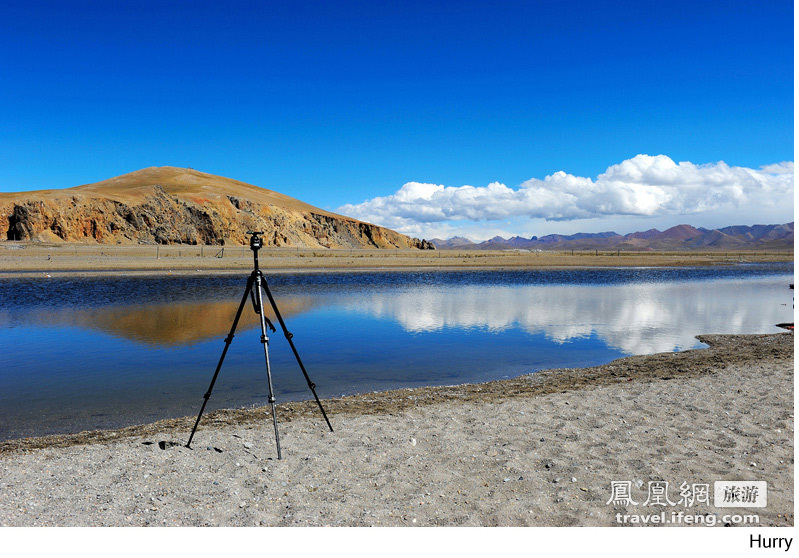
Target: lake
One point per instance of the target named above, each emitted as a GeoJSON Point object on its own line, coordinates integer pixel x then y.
{"type": "Point", "coordinates": [90, 353]}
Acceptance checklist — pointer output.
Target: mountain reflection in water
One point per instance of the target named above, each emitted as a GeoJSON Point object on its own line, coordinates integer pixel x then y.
{"type": "Point", "coordinates": [164, 325]}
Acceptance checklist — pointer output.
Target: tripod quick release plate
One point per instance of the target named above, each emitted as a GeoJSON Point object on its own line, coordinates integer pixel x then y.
{"type": "Point", "coordinates": [255, 240]}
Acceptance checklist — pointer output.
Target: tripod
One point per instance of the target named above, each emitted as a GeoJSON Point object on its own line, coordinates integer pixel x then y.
{"type": "Point", "coordinates": [255, 282]}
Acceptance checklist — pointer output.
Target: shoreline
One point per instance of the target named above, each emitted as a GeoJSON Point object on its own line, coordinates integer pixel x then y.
{"type": "Point", "coordinates": [538, 450]}
{"type": "Point", "coordinates": [691, 363]}
{"type": "Point", "coordinates": [26, 260]}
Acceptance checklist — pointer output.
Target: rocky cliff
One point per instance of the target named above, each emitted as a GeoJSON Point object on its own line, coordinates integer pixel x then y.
{"type": "Point", "coordinates": [168, 205]}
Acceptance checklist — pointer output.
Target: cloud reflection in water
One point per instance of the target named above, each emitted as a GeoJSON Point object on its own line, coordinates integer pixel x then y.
{"type": "Point", "coordinates": [635, 318]}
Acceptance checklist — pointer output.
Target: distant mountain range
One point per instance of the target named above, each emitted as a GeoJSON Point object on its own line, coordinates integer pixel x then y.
{"type": "Point", "coordinates": [681, 237]}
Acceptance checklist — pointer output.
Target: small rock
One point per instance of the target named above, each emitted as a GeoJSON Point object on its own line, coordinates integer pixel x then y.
{"type": "Point", "coordinates": [506, 479]}
{"type": "Point", "coordinates": [248, 445]}
{"type": "Point", "coordinates": [413, 443]}
{"type": "Point", "coordinates": [574, 479]}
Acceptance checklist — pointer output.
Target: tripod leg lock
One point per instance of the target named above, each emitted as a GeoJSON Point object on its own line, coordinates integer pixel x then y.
{"type": "Point", "coordinates": [264, 339]}
{"type": "Point", "coordinates": [289, 335]}
{"type": "Point", "coordinates": [229, 338]}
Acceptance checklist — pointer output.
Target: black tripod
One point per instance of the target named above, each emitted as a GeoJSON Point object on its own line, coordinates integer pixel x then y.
{"type": "Point", "coordinates": [257, 280]}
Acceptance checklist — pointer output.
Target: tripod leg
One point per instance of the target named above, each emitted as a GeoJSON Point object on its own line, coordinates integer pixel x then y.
{"type": "Point", "coordinates": [289, 335]}
{"type": "Point", "coordinates": [265, 342]}
{"type": "Point", "coordinates": [228, 340]}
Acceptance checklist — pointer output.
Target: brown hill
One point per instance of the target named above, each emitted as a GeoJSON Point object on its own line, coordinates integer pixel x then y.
{"type": "Point", "coordinates": [169, 205]}
{"type": "Point", "coordinates": [679, 233]}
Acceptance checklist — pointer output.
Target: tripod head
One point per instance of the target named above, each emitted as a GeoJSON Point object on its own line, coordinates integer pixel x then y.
{"type": "Point", "coordinates": [256, 242]}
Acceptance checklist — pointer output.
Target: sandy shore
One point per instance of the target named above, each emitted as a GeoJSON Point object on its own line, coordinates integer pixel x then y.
{"type": "Point", "coordinates": [540, 450]}
{"type": "Point", "coordinates": [18, 258]}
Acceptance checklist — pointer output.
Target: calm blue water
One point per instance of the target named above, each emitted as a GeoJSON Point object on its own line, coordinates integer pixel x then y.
{"type": "Point", "coordinates": [78, 354]}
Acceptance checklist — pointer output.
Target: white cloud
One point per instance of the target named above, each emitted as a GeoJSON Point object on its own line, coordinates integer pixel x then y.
{"type": "Point", "coordinates": [644, 186]}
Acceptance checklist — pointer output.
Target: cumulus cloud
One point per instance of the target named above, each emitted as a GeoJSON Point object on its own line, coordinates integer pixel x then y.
{"type": "Point", "coordinates": [644, 186]}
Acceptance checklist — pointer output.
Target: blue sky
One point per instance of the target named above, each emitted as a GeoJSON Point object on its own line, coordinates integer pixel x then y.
{"type": "Point", "coordinates": [343, 104]}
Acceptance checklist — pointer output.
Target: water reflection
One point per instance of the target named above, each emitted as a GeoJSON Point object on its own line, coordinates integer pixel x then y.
{"type": "Point", "coordinates": [80, 354]}
{"type": "Point", "coordinates": [161, 325]}
{"type": "Point", "coordinates": [637, 319]}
